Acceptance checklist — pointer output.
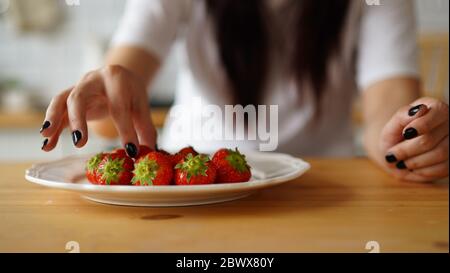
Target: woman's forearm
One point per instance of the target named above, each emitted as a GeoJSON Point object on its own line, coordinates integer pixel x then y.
{"type": "Point", "coordinates": [139, 61]}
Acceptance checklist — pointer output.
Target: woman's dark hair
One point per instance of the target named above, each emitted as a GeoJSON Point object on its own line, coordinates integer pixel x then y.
{"type": "Point", "coordinates": [243, 40]}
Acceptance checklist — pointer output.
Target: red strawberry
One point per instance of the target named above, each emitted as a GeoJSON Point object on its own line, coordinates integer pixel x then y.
{"type": "Point", "coordinates": [164, 152]}
{"type": "Point", "coordinates": [195, 170]}
{"type": "Point", "coordinates": [176, 158]}
{"type": "Point", "coordinates": [154, 168]}
{"type": "Point", "coordinates": [121, 152]}
{"type": "Point", "coordinates": [92, 166]}
{"type": "Point", "coordinates": [231, 166]}
{"type": "Point", "coordinates": [115, 169]}
{"type": "Point", "coordinates": [143, 150]}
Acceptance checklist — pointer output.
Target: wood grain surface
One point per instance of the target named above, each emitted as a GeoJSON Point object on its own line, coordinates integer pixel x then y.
{"type": "Point", "coordinates": [338, 206]}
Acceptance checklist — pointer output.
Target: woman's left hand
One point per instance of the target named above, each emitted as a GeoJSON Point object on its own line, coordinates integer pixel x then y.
{"type": "Point", "coordinates": [415, 141]}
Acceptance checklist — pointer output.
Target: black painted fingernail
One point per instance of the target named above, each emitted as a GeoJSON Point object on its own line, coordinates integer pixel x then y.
{"type": "Point", "coordinates": [414, 110]}
{"type": "Point", "coordinates": [76, 136]}
{"type": "Point", "coordinates": [44, 143]}
{"type": "Point", "coordinates": [45, 126]}
{"type": "Point", "coordinates": [410, 133]}
{"type": "Point", "coordinates": [401, 165]}
{"type": "Point", "coordinates": [390, 158]}
{"type": "Point", "coordinates": [131, 149]}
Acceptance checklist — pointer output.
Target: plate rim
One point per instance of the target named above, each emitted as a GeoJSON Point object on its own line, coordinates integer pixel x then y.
{"type": "Point", "coordinates": [91, 188]}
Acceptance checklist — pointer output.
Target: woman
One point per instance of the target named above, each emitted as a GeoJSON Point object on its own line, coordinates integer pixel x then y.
{"type": "Point", "coordinates": [308, 57]}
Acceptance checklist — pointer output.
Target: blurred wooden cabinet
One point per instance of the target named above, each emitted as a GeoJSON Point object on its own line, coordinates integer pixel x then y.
{"type": "Point", "coordinates": [20, 139]}
{"type": "Point", "coordinates": [34, 119]}
{"type": "Point", "coordinates": [434, 64]}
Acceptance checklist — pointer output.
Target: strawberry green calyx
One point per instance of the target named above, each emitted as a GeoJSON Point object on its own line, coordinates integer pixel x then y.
{"type": "Point", "coordinates": [93, 162]}
{"type": "Point", "coordinates": [145, 171]}
{"type": "Point", "coordinates": [111, 169]}
{"type": "Point", "coordinates": [237, 160]}
{"type": "Point", "coordinates": [194, 165]}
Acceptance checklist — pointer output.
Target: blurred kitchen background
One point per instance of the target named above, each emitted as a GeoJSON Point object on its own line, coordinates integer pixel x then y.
{"type": "Point", "coordinates": [47, 45]}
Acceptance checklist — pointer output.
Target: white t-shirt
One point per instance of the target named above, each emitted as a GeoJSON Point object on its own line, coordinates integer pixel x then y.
{"type": "Point", "coordinates": [379, 42]}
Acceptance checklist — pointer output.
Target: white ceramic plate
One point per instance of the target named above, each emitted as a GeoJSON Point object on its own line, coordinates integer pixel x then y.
{"type": "Point", "coordinates": [268, 169]}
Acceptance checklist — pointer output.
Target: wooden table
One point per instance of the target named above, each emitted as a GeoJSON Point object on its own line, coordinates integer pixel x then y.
{"type": "Point", "coordinates": [338, 206]}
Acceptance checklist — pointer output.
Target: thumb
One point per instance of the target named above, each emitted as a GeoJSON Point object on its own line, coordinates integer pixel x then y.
{"type": "Point", "coordinates": [393, 131]}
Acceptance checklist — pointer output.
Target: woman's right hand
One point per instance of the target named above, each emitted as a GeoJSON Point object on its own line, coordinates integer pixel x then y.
{"type": "Point", "coordinates": [112, 90]}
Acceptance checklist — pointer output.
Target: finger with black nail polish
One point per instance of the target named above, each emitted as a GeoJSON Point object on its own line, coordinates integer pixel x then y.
{"type": "Point", "coordinates": [45, 126]}
{"type": "Point", "coordinates": [401, 165]}
{"type": "Point", "coordinates": [390, 158]}
{"type": "Point", "coordinates": [44, 143]}
{"type": "Point", "coordinates": [410, 133]}
{"type": "Point", "coordinates": [414, 110]}
{"type": "Point", "coordinates": [76, 137]}
{"type": "Point", "coordinates": [131, 149]}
